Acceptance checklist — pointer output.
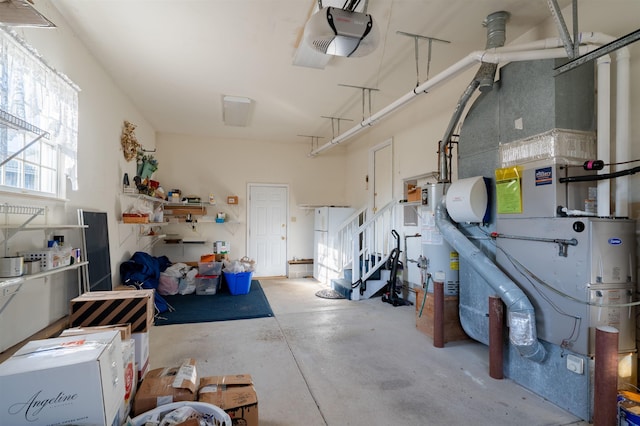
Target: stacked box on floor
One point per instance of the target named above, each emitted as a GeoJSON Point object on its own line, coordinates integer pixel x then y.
{"type": "Point", "coordinates": [124, 329]}
{"type": "Point", "coordinates": [128, 359]}
{"type": "Point", "coordinates": [101, 308]}
{"type": "Point", "coordinates": [141, 343]}
{"type": "Point", "coordinates": [64, 380]}
{"type": "Point", "coordinates": [235, 394]}
{"type": "Point", "coordinates": [165, 385]}
{"type": "Point", "coordinates": [114, 307]}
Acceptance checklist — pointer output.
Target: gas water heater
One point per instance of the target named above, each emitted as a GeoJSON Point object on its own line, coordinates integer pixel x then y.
{"type": "Point", "coordinates": [441, 257]}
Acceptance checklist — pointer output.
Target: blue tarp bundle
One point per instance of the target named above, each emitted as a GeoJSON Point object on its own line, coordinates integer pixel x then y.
{"type": "Point", "coordinates": [143, 271]}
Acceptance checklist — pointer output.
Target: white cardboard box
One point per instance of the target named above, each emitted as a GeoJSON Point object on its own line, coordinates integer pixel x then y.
{"type": "Point", "coordinates": [63, 381]}
{"type": "Point", "coordinates": [141, 352]}
{"type": "Point", "coordinates": [130, 376]}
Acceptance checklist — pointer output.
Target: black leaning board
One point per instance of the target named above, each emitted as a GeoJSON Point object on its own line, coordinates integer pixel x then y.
{"type": "Point", "coordinates": [96, 236]}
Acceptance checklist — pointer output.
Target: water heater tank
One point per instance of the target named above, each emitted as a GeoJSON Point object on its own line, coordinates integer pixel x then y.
{"type": "Point", "coordinates": [441, 257]}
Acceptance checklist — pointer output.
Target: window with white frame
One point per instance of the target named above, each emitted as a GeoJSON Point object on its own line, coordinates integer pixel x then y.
{"type": "Point", "coordinates": [38, 122]}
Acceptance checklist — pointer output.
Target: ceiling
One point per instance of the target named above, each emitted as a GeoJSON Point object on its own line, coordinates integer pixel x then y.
{"type": "Point", "coordinates": [175, 59]}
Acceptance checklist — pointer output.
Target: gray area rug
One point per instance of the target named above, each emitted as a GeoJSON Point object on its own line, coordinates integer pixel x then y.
{"type": "Point", "coordinates": [329, 294]}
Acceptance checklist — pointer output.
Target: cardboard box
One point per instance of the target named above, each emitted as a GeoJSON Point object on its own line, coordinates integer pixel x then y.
{"type": "Point", "coordinates": [128, 359]}
{"type": "Point", "coordinates": [113, 307]}
{"type": "Point", "coordinates": [452, 329]}
{"type": "Point", "coordinates": [414, 194]}
{"type": "Point", "coordinates": [141, 343]}
{"type": "Point", "coordinates": [221, 247]}
{"type": "Point", "coordinates": [130, 377]}
{"type": "Point", "coordinates": [64, 381]}
{"type": "Point", "coordinates": [235, 394]}
{"type": "Point", "coordinates": [124, 329]}
{"type": "Point", "coordinates": [165, 385]}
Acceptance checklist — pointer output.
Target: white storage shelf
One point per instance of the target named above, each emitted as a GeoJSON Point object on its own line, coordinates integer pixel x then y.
{"type": "Point", "coordinates": [146, 198]}
{"type": "Point", "coordinates": [175, 213]}
{"type": "Point", "coordinates": [9, 286]}
{"type": "Point", "coordinates": [40, 227]}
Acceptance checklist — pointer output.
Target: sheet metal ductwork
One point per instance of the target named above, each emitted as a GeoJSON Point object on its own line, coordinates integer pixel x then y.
{"type": "Point", "coordinates": [496, 36]}
{"type": "Point", "coordinates": [521, 318]}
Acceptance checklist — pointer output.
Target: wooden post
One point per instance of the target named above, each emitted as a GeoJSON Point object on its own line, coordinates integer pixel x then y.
{"type": "Point", "coordinates": [606, 376]}
{"type": "Point", "coordinates": [438, 314]}
{"type": "Point", "coordinates": [496, 322]}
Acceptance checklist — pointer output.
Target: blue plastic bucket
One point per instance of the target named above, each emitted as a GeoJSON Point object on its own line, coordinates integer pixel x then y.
{"type": "Point", "coordinates": [239, 282]}
{"type": "Point", "coordinates": [628, 412]}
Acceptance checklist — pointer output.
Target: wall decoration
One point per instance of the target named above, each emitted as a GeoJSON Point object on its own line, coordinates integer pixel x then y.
{"type": "Point", "coordinates": [146, 164]}
{"type": "Point", "coordinates": [130, 145]}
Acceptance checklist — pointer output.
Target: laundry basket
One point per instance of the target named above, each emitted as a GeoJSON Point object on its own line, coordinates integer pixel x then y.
{"type": "Point", "coordinates": [215, 415]}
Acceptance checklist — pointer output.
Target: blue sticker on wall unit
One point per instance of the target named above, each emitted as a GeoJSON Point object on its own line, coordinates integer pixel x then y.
{"type": "Point", "coordinates": [615, 241]}
{"type": "Point", "coordinates": [544, 176]}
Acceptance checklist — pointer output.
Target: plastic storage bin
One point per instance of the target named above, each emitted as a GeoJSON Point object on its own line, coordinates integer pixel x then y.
{"type": "Point", "coordinates": [207, 285]}
{"type": "Point", "coordinates": [239, 282]}
{"type": "Point", "coordinates": [50, 258]}
{"type": "Point", "coordinates": [215, 414]}
{"type": "Point", "coordinates": [209, 268]}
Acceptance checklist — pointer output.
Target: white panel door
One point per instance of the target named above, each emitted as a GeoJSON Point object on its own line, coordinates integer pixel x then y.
{"type": "Point", "coordinates": [381, 167]}
{"type": "Point", "coordinates": [267, 233]}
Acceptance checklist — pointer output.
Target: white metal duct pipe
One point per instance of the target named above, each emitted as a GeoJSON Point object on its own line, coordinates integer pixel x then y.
{"type": "Point", "coordinates": [521, 315]}
{"type": "Point", "coordinates": [440, 78]}
{"type": "Point", "coordinates": [588, 37]}
{"type": "Point", "coordinates": [491, 55]}
{"type": "Point", "coordinates": [604, 132]}
{"type": "Point", "coordinates": [623, 149]}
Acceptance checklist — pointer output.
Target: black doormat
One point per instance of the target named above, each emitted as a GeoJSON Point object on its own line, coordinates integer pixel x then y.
{"type": "Point", "coordinates": [222, 306]}
{"type": "Point", "coordinates": [329, 294]}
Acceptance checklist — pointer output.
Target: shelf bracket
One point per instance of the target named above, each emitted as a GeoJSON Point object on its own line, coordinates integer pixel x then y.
{"type": "Point", "coordinates": [14, 122]}
{"type": "Point", "coordinates": [8, 209]}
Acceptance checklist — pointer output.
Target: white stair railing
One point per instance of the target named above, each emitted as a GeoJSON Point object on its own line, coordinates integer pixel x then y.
{"type": "Point", "coordinates": [371, 245]}
{"type": "Point", "coordinates": [347, 231]}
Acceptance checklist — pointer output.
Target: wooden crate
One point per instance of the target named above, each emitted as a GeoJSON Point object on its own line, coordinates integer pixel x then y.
{"type": "Point", "coordinates": [135, 218]}
{"type": "Point", "coordinates": [452, 329]}
{"type": "Point", "coordinates": [184, 209]}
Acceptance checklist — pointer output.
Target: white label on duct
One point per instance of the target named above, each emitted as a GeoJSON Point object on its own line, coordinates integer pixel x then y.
{"type": "Point", "coordinates": [518, 124]}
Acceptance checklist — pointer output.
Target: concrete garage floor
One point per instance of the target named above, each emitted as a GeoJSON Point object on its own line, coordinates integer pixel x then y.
{"type": "Point", "coordinates": [338, 362]}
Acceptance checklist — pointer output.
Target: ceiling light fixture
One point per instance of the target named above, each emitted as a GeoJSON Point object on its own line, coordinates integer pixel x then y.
{"type": "Point", "coordinates": [236, 110]}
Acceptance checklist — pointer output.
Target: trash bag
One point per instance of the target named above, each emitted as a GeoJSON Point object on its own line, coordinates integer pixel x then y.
{"type": "Point", "coordinates": [187, 285]}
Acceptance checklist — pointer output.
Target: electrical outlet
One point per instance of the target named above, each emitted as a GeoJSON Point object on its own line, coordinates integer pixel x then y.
{"type": "Point", "coordinates": [575, 364]}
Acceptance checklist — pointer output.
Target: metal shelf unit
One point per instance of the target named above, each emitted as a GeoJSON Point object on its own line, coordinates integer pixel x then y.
{"type": "Point", "coordinates": [10, 286]}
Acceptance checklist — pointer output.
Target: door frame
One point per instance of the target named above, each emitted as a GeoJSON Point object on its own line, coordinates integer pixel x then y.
{"type": "Point", "coordinates": [372, 171]}
{"type": "Point", "coordinates": [248, 227]}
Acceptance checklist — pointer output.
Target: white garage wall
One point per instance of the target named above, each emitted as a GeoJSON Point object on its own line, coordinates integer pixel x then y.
{"type": "Point", "coordinates": [200, 166]}
{"type": "Point", "coordinates": [101, 165]}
